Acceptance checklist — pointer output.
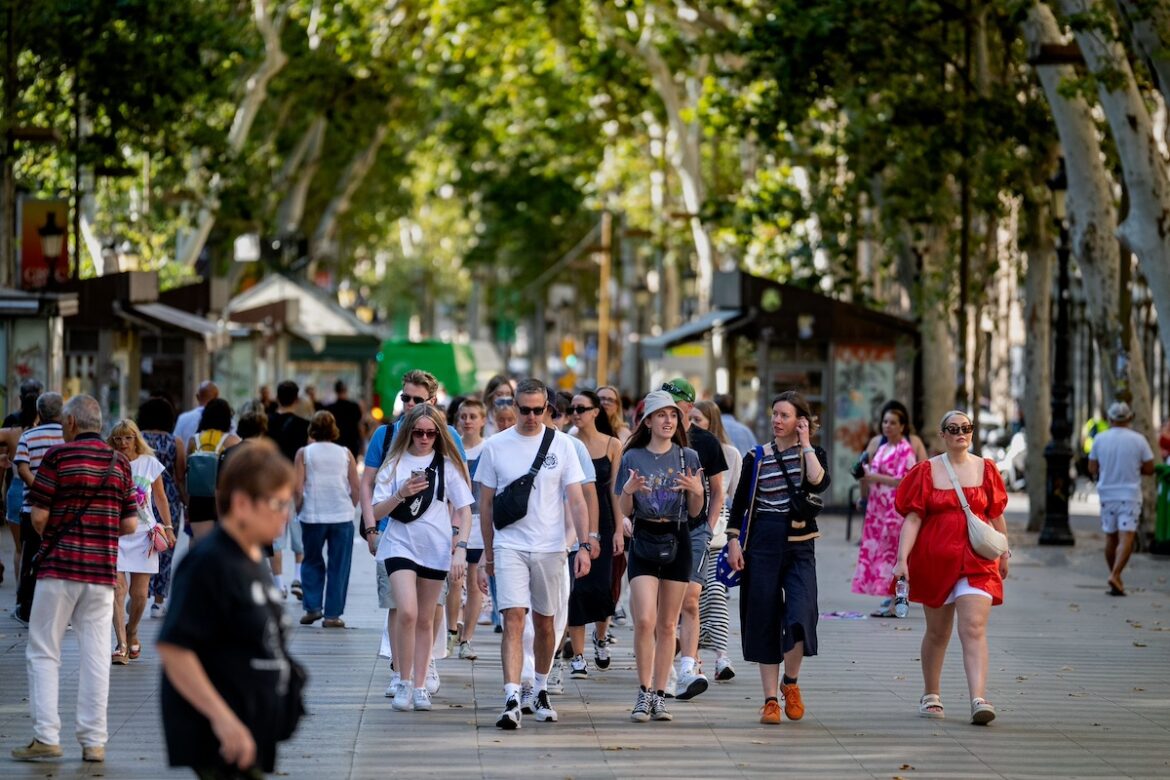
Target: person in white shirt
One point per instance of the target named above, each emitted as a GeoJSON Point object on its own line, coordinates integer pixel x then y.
{"type": "Point", "coordinates": [1118, 459]}
{"type": "Point", "coordinates": [187, 424]}
{"type": "Point", "coordinates": [528, 553]}
{"type": "Point", "coordinates": [470, 424]}
{"type": "Point", "coordinates": [422, 482]}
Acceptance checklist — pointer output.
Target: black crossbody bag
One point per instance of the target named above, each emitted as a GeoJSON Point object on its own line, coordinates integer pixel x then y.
{"type": "Point", "coordinates": [661, 549]}
{"type": "Point", "coordinates": [48, 545]}
{"type": "Point", "coordinates": [416, 506]}
{"type": "Point", "coordinates": [511, 503]}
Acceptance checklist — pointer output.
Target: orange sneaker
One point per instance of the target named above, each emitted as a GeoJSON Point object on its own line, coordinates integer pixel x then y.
{"type": "Point", "coordinates": [793, 705]}
{"type": "Point", "coordinates": [770, 713]}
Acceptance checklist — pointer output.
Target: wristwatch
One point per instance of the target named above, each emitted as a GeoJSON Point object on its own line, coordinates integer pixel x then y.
{"type": "Point", "coordinates": [461, 545]}
{"type": "Point", "coordinates": [586, 546]}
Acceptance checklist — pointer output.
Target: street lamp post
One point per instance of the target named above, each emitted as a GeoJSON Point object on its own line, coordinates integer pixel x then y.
{"type": "Point", "coordinates": [1058, 453]}
{"type": "Point", "coordinates": [52, 238]}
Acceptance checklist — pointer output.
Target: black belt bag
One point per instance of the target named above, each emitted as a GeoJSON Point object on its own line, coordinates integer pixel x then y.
{"type": "Point", "coordinates": [511, 503]}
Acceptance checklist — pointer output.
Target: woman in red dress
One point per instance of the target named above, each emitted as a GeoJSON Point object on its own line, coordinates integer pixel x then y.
{"type": "Point", "coordinates": [945, 574]}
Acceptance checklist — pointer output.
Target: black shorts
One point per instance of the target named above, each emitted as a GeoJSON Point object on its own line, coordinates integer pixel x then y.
{"type": "Point", "coordinates": [678, 570]}
{"type": "Point", "coordinates": [405, 564]}
{"type": "Point", "coordinates": [473, 556]}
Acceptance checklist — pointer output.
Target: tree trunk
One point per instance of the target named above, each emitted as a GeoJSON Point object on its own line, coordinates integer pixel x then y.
{"type": "Point", "coordinates": [1143, 20]}
{"type": "Point", "coordinates": [255, 92]}
{"type": "Point", "coordinates": [292, 210]}
{"type": "Point", "coordinates": [322, 246]}
{"type": "Point", "coordinates": [938, 340]}
{"type": "Point", "coordinates": [1147, 225]}
{"type": "Point", "coordinates": [686, 153]}
{"type": "Point", "coordinates": [1037, 355]}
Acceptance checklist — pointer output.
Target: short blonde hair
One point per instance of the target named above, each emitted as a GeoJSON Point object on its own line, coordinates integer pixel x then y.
{"type": "Point", "coordinates": [128, 427]}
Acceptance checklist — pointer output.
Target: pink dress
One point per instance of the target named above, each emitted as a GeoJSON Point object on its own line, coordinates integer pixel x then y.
{"type": "Point", "coordinates": [883, 524]}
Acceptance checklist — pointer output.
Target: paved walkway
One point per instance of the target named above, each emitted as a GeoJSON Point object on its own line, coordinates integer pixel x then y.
{"type": "Point", "coordinates": [1081, 682]}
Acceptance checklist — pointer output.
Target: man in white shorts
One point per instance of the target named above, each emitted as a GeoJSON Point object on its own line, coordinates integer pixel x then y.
{"type": "Point", "coordinates": [528, 555]}
{"type": "Point", "coordinates": [1118, 459]}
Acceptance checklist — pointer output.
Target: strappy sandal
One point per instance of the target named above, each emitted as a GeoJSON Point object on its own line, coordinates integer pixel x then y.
{"type": "Point", "coordinates": [119, 657]}
{"type": "Point", "coordinates": [930, 706]}
{"type": "Point", "coordinates": [134, 651]}
{"type": "Point", "coordinates": [982, 711]}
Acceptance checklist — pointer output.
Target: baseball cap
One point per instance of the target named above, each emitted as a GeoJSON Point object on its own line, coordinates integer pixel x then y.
{"type": "Point", "coordinates": [679, 389]}
{"type": "Point", "coordinates": [1120, 411]}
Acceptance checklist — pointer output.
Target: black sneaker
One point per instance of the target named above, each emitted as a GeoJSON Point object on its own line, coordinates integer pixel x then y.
{"type": "Point", "coordinates": [601, 652]}
{"type": "Point", "coordinates": [641, 711]}
{"type": "Point", "coordinates": [509, 719]}
{"type": "Point", "coordinates": [658, 709]}
{"type": "Point", "coordinates": [544, 711]}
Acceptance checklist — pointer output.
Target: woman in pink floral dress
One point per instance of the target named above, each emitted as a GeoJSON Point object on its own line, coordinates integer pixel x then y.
{"type": "Point", "coordinates": [891, 456]}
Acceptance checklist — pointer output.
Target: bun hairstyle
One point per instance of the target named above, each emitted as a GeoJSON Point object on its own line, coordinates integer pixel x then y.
{"type": "Point", "coordinates": [943, 422]}
{"type": "Point", "coordinates": [802, 408]}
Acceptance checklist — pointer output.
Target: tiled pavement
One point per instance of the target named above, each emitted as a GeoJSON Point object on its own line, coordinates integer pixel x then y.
{"type": "Point", "coordinates": [1081, 682]}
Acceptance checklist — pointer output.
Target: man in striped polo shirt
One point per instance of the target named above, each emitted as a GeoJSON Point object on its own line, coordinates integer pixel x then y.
{"type": "Point", "coordinates": [83, 494]}
{"type": "Point", "coordinates": [30, 450]}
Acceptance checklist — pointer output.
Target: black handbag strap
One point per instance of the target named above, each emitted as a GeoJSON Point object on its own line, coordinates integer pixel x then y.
{"type": "Point", "coordinates": [542, 453]}
{"type": "Point", "coordinates": [784, 471]}
{"type": "Point", "coordinates": [683, 514]}
{"type": "Point", "coordinates": [50, 544]}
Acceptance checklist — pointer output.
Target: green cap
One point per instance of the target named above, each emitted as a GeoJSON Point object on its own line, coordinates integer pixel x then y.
{"type": "Point", "coordinates": [680, 389]}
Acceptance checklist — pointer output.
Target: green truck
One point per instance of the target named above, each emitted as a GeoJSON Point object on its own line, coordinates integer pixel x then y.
{"type": "Point", "coordinates": [453, 365]}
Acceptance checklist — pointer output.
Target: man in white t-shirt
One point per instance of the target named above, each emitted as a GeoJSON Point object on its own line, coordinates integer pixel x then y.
{"type": "Point", "coordinates": [188, 422]}
{"type": "Point", "coordinates": [1118, 459]}
{"type": "Point", "coordinates": [528, 555]}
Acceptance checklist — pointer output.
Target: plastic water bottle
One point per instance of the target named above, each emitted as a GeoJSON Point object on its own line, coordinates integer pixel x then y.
{"type": "Point", "coordinates": [902, 598]}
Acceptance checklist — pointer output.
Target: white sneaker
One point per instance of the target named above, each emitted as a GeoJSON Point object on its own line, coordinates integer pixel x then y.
{"type": "Point", "coordinates": [392, 688]}
{"type": "Point", "coordinates": [510, 718]}
{"type": "Point", "coordinates": [578, 668]}
{"type": "Point", "coordinates": [158, 610]}
{"type": "Point", "coordinates": [556, 679]}
{"type": "Point", "coordinates": [527, 698]}
{"type": "Point", "coordinates": [402, 698]}
{"type": "Point", "coordinates": [723, 670]}
{"type": "Point", "coordinates": [544, 711]}
{"type": "Point", "coordinates": [422, 701]}
{"type": "Point", "coordinates": [619, 615]}
{"type": "Point", "coordinates": [432, 681]}
{"type": "Point", "coordinates": [467, 652]}
{"type": "Point", "coordinates": [690, 685]}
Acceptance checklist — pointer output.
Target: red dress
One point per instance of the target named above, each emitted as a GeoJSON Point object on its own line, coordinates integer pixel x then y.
{"type": "Point", "coordinates": [942, 555]}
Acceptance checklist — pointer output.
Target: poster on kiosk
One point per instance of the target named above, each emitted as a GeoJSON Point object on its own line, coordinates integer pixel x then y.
{"type": "Point", "coordinates": [43, 257]}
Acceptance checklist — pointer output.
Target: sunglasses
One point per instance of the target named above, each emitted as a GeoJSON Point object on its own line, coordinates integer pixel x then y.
{"type": "Point", "coordinates": [424, 433]}
{"type": "Point", "coordinates": [955, 430]}
{"type": "Point", "coordinates": [284, 506]}
{"type": "Point", "coordinates": [607, 401]}
{"type": "Point", "coordinates": [504, 400]}
{"type": "Point", "coordinates": [408, 398]}
{"type": "Point", "coordinates": [581, 409]}
{"type": "Point", "coordinates": [674, 389]}
{"type": "Point", "coordinates": [531, 410]}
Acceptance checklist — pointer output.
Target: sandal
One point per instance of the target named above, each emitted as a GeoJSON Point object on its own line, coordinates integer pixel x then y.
{"type": "Point", "coordinates": [119, 656]}
{"type": "Point", "coordinates": [930, 706]}
{"type": "Point", "coordinates": [883, 613]}
{"type": "Point", "coordinates": [135, 650]}
{"type": "Point", "coordinates": [982, 711]}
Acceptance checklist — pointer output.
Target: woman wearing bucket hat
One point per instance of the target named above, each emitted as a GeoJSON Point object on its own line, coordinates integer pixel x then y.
{"type": "Point", "coordinates": [660, 486]}
{"type": "Point", "coordinates": [1118, 459]}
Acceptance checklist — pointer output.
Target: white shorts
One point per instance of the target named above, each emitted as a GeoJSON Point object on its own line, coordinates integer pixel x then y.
{"type": "Point", "coordinates": [964, 588]}
{"type": "Point", "coordinates": [528, 579]}
{"type": "Point", "coordinates": [1120, 516]}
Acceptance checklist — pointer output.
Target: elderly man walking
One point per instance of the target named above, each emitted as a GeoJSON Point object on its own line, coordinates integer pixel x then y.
{"type": "Point", "coordinates": [82, 500]}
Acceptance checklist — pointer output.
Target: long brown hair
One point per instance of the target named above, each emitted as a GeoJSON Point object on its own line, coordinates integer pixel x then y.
{"type": "Point", "coordinates": [444, 444]}
{"type": "Point", "coordinates": [641, 435]}
{"type": "Point", "coordinates": [714, 419]}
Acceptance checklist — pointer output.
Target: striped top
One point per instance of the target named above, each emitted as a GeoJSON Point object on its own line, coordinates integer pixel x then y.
{"type": "Point", "coordinates": [69, 473]}
{"type": "Point", "coordinates": [772, 489]}
{"type": "Point", "coordinates": [31, 449]}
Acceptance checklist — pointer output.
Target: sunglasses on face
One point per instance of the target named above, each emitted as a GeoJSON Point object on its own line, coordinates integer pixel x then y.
{"type": "Point", "coordinates": [955, 430]}
{"type": "Point", "coordinates": [607, 401]}
{"type": "Point", "coordinates": [409, 398]}
{"type": "Point", "coordinates": [424, 433]}
{"type": "Point", "coordinates": [525, 411]}
{"type": "Point", "coordinates": [504, 400]}
{"type": "Point", "coordinates": [581, 409]}
{"type": "Point", "coordinates": [674, 389]}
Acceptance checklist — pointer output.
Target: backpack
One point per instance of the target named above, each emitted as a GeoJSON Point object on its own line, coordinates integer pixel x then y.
{"type": "Point", "coordinates": [203, 468]}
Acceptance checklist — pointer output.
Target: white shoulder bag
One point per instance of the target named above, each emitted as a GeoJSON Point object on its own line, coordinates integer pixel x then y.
{"type": "Point", "coordinates": [986, 541]}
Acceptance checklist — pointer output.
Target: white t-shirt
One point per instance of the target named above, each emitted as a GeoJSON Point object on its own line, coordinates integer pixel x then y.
{"type": "Point", "coordinates": [508, 456]}
{"type": "Point", "coordinates": [427, 540]}
{"type": "Point", "coordinates": [145, 469]}
{"type": "Point", "coordinates": [1120, 453]}
{"type": "Point", "coordinates": [475, 541]}
{"type": "Point", "coordinates": [187, 424]}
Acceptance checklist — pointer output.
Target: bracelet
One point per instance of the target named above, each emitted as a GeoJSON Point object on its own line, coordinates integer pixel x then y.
{"type": "Point", "coordinates": [595, 535]}
{"type": "Point", "coordinates": [806, 450]}
{"type": "Point", "coordinates": [487, 562]}
{"type": "Point", "coordinates": [169, 527]}
{"type": "Point", "coordinates": [731, 533]}
{"type": "Point", "coordinates": [460, 545]}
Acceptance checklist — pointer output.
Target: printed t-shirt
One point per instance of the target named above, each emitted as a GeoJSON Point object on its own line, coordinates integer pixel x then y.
{"type": "Point", "coordinates": [661, 473]}
{"type": "Point", "coordinates": [508, 456]}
